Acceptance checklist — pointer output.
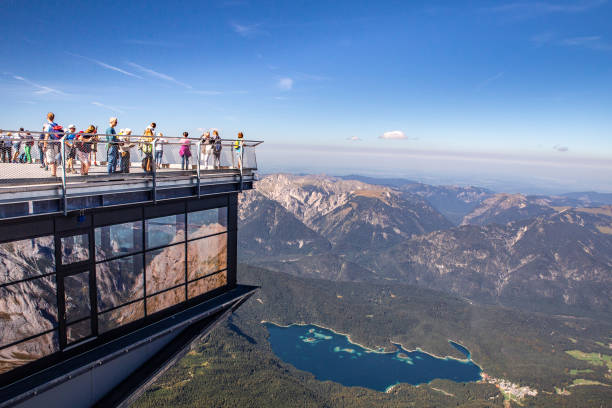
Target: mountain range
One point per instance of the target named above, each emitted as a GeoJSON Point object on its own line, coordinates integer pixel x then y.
{"type": "Point", "coordinates": [536, 252]}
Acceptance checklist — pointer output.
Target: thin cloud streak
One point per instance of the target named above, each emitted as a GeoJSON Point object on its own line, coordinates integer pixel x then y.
{"type": "Point", "coordinates": [107, 66]}
{"type": "Point", "coordinates": [159, 75]}
{"type": "Point", "coordinates": [593, 42]}
{"type": "Point", "coordinates": [41, 89]}
{"type": "Point", "coordinates": [488, 81]}
{"type": "Point", "coordinates": [101, 105]}
{"type": "Point", "coordinates": [540, 8]}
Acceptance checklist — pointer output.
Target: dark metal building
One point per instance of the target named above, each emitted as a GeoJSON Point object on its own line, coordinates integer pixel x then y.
{"type": "Point", "coordinates": [105, 281]}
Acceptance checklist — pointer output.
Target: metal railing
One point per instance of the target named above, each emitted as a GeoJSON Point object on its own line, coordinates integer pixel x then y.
{"type": "Point", "coordinates": [37, 158]}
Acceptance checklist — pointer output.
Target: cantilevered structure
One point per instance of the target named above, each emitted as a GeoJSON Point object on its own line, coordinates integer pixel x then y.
{"type": "Point", "coordinates": [107, 279]}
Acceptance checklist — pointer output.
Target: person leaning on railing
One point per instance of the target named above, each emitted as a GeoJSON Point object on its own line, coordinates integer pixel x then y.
{"type": "Point", "coordinates": [159, 149]}
{"type": "Point", "coordinates": [69, 140]}
{"type": "Point", "coordinates": [185, 151]}
{"type": "Point", "coordinates": [145, 145]}
{"type": "Point", "coordinates": [217, 146]}
{"type": "Point", "coordinates": [125, 148]}
{"type": "Point", "coordinates": [53, 133]}
{"type": "Point", "coordinates": [207, 149]}
{"type": "Point", "coordinates": [112, 147]}
{"type": "Point", "coordinates": [83, 144]}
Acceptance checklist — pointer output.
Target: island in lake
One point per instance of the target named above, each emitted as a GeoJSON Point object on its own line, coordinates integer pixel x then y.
{"type": "Point", "coordinates": [331, 356]}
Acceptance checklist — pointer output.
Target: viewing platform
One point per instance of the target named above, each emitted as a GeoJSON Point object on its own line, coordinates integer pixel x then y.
{"type": "Point", "coordinates": [28, 189]}
{"type": "Point", "coordinates": [108, 279]}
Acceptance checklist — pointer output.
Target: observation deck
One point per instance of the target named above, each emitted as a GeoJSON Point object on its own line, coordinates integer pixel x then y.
{"type": "Point", "coordinates": [107, 279]}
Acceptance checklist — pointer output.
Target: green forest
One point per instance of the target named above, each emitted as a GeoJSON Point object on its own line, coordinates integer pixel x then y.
{"type": "Point", "coordinates": [235, 366]}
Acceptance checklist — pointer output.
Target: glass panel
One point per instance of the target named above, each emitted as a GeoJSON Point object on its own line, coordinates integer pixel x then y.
{"type": "Point", "coordinates": [76, 292]}
{"type": "Point", "coordinates": [121, 316]}
{"type": "Point", "coordinates": [119, 281]}
{"type": "Point", "coordinates": [206, 222]}
{"type": "Point", "coordinates": [75, 249]}
{"type": "Point", "coordinates": [165, 300]}
{"type": "Point", "coordinates": [28, 351]}
{"type": "Point", "coordinates": [206, 256]}
{"type": "Point", "coordinates": [26, 258]}
{"type": "Point", "coordinates": [116, 240]}
{"type": "Point", "coordinates": [27, 308]}
{"type": "Point", "coordinates": [165, 230]}
{"type": "Point", "coordinates": [165, 268]}
{"type": "Point", "coordinates": [204, 285]}
{"type": "Point", "coordinates": [78, 331]}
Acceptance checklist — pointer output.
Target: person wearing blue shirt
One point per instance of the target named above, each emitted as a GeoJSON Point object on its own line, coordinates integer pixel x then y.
{"type": "Point", "coordinates": [112, 149]}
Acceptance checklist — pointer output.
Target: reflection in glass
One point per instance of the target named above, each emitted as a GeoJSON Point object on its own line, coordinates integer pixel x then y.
{"type": "Point", "coordinates": [76, 292]}
{"type": "Point", "coordinates": [116, 240]}
{"type": "Point", "coordinates": [120, 316]}
{"type": "Point", "coordinates": [75, 249]}
{"type": "Point", "coordinates": [78, 331]}
{"type": "Point", "coordinates": [206, 222]}
{"type": "Point", "coordinates": [27, 308]}
{"type": "Point", "coordinates": [206, 255]}
{"type": "Point", "coordinates": [165, 268]}
{"type": "Point", "coordinates": [165, 230]}
{"type": "Point", "coordinates": [207, 284]}
{"type": "Point", "coordinates": [165, 300]}
{"type": "Point", "coordinates": [26, 258]}
{"type": "Point", "coordinates": [119, 281]}
{"type": "Point", "coordinates": [28, 351]}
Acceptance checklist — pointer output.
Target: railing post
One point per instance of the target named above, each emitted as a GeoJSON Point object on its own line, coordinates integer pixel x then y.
{"type": "Point", "coordinates": [241, 163]}
{"type": "Point", "coordinates": [63, 155]}
{"type": "Point", "coordinates": [199, 153]}
{"type": "Point", "coordinates": [154, 168]}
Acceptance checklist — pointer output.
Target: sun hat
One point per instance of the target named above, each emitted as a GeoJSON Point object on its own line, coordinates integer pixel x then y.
{"type": "Point", "coordinates": [71, 126]}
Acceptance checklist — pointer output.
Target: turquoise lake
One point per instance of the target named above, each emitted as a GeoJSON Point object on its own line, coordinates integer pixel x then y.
{"type": "Point", "coordinates": [331, 356]}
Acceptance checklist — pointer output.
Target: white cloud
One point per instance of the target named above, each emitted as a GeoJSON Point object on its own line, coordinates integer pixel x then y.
{"type": "Point", "coordinates": [394, 135]}
{"type": "Point", "coordinates": [246, 30]}
{"type": "Point", "coordinates": [561, 148]}
{"type": "Point", "coordinates": [285, 84]}
{"type": "Point", "coordinates": [354, 139]}
{"type": "Point", "coordinates": [535, 8]}
{"type": "Point", "coordinates": [40, 89]}
{"type": "Point", "coordinates": [159, 75]}
{"type": "Point", "coordinates": [594, 42]}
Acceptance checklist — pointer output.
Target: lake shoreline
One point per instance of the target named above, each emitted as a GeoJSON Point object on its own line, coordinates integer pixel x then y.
{"type": "Point", "coordinates": [418, 349]}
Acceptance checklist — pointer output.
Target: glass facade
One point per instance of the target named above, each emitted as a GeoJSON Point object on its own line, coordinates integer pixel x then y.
{"type": "Point", "coordinates": [106, 276]}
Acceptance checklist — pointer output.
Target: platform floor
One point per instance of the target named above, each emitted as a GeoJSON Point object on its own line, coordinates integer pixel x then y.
{"type": "Point", "coordinates": [25, 174]}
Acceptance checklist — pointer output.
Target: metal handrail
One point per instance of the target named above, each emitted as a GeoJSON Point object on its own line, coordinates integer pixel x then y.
{"type": "Point", "coordinates": [198, 143]}
{"type": "Point", "coordinates": [251, 143]}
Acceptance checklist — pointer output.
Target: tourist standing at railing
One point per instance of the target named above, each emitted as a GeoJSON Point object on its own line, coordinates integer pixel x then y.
{"type": "Point", "coordinates": [238, 149]}
{"type": "Point", "coordinates": [217, 146]}
{"type": "Point", "coordinates": [41, 150]}
{"type": "Point", "coordinates": [185, 151]}
{"type": "Point", "coordinates": [16, 146]}
{"type": "Point", "coordinates": [112, 147]}
{"type": "Point", "coordinates": [125, 151]}
{"type": "Point", "coordinates": [159, 149]}
{"type": "Point", "coordinates": [29, 143]}
{"type": "Point", "coordinates": [70, 148]}
{"type": "Point", "coordinates": [6, 144]}
{"type": "Point", "coordinates": [51, 144]}
{"type": "Point", "coordinates": [83, 144]}
{"type": "Point", "coordinates": [145, 144]}
{"type": "Point", "coordinates": [207, 149]}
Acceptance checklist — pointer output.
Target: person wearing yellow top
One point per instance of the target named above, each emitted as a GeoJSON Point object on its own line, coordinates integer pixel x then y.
{"type": "Point", "coordinates": [238, 149]}
{"type": "Point", "coordinates": [145, 144]}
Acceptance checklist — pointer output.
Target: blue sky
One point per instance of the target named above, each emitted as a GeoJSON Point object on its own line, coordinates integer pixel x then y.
{"type": "Point", "coordinates": [504, 81]}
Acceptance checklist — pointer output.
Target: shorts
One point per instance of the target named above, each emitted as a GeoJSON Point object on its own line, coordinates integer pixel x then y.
{"type": "Point", "coordinates": [52, 156]}
{"type": "Point", "coordinates": [83, 157]}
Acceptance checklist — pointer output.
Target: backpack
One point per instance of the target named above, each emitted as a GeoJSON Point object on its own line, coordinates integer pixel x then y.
{"type": "Point", "coordinates": [54, 130]}
{"type": "Point", "coordinates": [217, 146]}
